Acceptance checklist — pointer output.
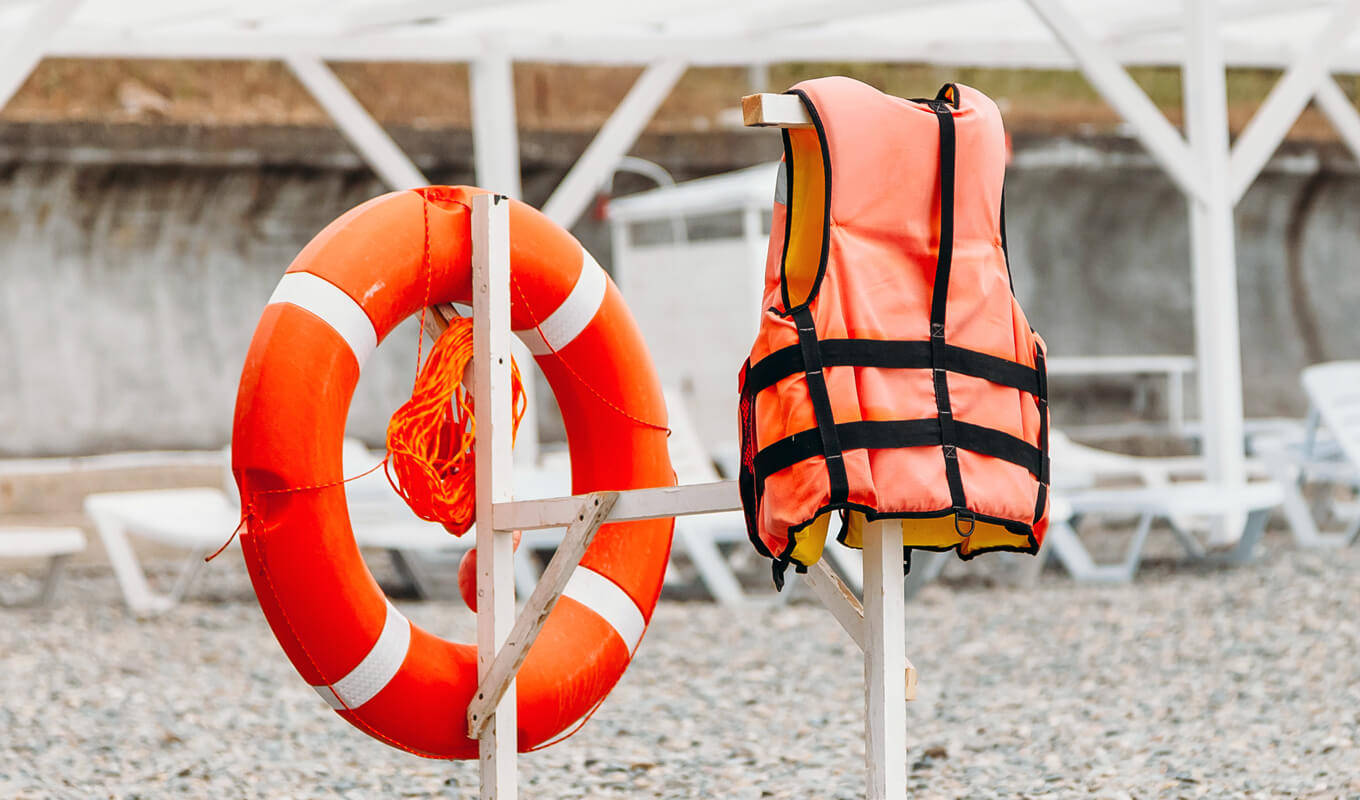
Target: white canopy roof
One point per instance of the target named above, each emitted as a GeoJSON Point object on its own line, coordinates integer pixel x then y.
{"type": "Point", "coordinates": [974, 32]}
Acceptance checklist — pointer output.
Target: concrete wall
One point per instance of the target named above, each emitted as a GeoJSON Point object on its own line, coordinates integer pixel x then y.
{"type": "Point", "coordinates": [129, 291]}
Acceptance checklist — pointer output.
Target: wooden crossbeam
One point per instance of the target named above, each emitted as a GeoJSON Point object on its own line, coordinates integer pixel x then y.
{"type": "Point", "coordinates": [594, 509]}
{"type": "Point", "coordinates": [774, 111]}
{"type": "Point", "coordinates": [848, 610]}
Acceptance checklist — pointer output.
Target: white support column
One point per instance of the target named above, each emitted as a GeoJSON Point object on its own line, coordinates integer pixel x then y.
{"type": "Point", "coordinates": [368, 137]}
{"type": "Point", "coordinates": [1288, 98]}
{"type": "Point", "coordinates": [572, 196]}
{"type": "Point", "coordinates": [1213, 256]}
{"type": "Point", "coordinates": [24, 50]}
{"type": "Point", "coordinates": [495, 479]}
{"type": "Point", "coordinates": [495, 132]}
{"type": "Point", "coordinates": [495, 145]}
{"type": "Point", "coordinates": [1119, 90]}
{"type": "Point", "coordinates": [1337, 106]}
{"type": "Point", "coordinates": [885, 651]}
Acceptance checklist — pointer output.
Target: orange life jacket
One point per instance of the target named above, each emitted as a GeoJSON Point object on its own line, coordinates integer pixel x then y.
{"type": "Point", "coordinates": [894, 375]}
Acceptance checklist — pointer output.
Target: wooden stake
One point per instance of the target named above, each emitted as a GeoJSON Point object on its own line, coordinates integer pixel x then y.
{"type": "Point", "coordinates": [495, 479]}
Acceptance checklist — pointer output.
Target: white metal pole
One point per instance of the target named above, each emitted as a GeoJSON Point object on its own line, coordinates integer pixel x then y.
{"type": "Point", "coordinates": [495, 478]}
{"type": "Point", "coordinates": [495, 132]}
{"type": "Point", "coordinates": [1213, 256]}
{"type": "Point", "coordinates": [885, 651]}
{"type": "Point", "coordinates": [495, 144]}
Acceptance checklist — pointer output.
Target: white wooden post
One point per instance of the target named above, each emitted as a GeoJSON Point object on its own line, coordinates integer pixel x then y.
{"type": "Point", "coordinates": [1213, 258]}
{"type": "Point", "coordinates": [495, 478]}
{"type": "Point", "coordinates": [885, 650]}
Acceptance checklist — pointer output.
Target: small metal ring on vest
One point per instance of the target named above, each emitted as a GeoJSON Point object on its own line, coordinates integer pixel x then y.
{"type": "Point", "coordinates": [961, 514]}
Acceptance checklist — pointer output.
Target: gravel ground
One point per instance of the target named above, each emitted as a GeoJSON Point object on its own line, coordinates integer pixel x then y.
{"type": "Point", "coordinates": [1190, 683]}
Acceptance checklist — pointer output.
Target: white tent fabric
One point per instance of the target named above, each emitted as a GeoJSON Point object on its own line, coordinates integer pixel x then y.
{"type": "Point", "coordinates": [1309, 39]}
{"type": "Point", "coordinates": [973, 32]}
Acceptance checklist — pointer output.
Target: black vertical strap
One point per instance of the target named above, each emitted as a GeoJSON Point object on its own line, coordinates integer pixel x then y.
{"type": "Point", "coordinates": [1005, 251]}
{"type": "Point", "coordinates": [1042, 500]}
{"type": "Point", "coordinates": [821, 404]}
{"type": "Point", "coordinates": [938, 304]}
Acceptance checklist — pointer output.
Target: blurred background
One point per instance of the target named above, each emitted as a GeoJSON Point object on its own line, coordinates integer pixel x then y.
{"type": "Point", "coordinates": [1181, 202]}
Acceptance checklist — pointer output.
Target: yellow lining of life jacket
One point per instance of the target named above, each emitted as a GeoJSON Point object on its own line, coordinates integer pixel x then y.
{"type": "Point", "coordinates": [805, 243]}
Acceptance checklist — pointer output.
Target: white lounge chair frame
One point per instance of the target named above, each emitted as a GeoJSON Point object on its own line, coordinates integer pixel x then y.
{"type": "Point", "coordinates": [879, 626]}
{"type": "Point", "coordinates": [55, 544]}
{"type": "Point", "coordinates": [200, 520]}
{"type": "Point", "coordinates": [1150, 503]}
{"type": "Point", "coordinates": [1333, 391]}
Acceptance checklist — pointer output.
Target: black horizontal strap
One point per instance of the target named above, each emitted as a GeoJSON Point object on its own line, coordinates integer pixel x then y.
{"type": "Point", "coordinates": [892, 354]}
{"type": "Point", "coordinates": [888, 434]}
{"type": "Point", "coordinates": [999, 444]}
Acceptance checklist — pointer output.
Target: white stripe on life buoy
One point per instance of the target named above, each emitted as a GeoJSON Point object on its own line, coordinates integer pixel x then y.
{"type": "Point", "coordinates": [612, 604]}
{"type": "Point", "coordinates": [575, 313]}
{"type": "Point", "coordinates": [335, 308]}
{"type": "Point", "coordinates": [376, 669]}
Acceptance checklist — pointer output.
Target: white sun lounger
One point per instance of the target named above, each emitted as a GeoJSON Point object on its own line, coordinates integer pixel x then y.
{"type": "Point", "coordinates": [1161, 496]}
{"type": "Point", "coordinates": [57, 545]}
{"type": "Point", "coordinates": [1326, 453]}
{"type": "Point", "coordinates": [200, 520]}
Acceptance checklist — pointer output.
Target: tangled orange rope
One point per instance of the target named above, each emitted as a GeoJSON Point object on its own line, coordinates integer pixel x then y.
{"type": "Point", "coordinates": [430, 438]}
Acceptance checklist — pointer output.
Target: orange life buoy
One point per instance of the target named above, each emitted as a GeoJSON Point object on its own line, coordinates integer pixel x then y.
{"type": "Point", "coordinates": [367, 271]}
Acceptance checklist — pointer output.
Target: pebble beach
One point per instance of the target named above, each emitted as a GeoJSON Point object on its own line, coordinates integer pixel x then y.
{"type": "Point", "coordinates": [1191, 682]}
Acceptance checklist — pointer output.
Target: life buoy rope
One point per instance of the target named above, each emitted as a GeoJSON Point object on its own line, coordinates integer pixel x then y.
{"type": "Point", "coordinates": [347, 289]}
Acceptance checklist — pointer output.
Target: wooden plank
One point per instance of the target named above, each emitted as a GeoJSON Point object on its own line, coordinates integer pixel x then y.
{"type": "Point", "coordinates": [595, 508]}
{"type": "Point", "coordinates": [885, 701]}
{"type": "Point", "coordinates": [848, 611]}
{"type": "Point", "coordinates": [634, 504]}
{"type": "Point", "coordinates": [495, 479]}
{"type": "Point", "coordinates": [774, 110]}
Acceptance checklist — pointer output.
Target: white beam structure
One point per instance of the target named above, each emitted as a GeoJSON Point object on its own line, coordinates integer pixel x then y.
{"type": "Point", "coordinates": [368, 137]}
{"type": "Point", "coordinates": [616, 137]}
{"type": "Point", "coordinates": [1344, 116]}
{"type": "Point", "coordinates": [495, 150]}
{"type": "Point", "coordinates": [24, 48]}
{"type": "Point", "coordinates": [1160, 23]}
{"type": "Point", "coordinates": [1109, 78]}
{"type": "Point", "coordinates": [495, 132]}
{"type": "Point", "coordinates": [1214, 258]}
{"type": "Point", "coordinates": [1288, 98]}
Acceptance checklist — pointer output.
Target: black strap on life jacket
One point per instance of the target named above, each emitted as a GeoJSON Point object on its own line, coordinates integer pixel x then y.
{"type": "Point", "coordinates": [892, 354]}
{"type": "Point", "coordinates": [939, 304]}
{"type": "Point", "coordinates": [1041, 502]}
